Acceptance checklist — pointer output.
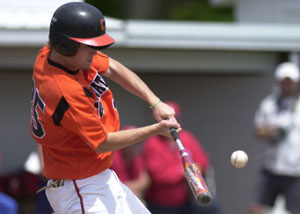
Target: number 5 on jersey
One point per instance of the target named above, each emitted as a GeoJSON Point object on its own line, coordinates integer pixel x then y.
{"type": "Point", "coordinates": [37, 102]}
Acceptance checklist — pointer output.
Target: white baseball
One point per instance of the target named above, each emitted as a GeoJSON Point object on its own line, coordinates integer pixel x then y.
{"type": "Point", "coordinates": [239, 159]}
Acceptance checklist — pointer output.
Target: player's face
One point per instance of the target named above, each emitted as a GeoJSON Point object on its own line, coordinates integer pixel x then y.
{"type": "Point", "coordinates": [84, 57]}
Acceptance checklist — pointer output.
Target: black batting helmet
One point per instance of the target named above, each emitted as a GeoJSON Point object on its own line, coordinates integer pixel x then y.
{"type": "Point", "coordinates": [78, 22]}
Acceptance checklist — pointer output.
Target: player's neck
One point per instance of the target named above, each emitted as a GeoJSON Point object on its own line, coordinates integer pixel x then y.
{"type": "Point", "coordinates": [66, 61]}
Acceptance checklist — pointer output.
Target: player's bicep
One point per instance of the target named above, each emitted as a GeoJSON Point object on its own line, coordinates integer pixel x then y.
{"type": "Point", "coordinates": [119, 73]}
{"type": "Point", "coordinates": [111, 70]}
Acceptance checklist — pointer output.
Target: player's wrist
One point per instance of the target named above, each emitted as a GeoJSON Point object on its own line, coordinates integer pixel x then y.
{"type": "Point", "coordinates": [153, 106]}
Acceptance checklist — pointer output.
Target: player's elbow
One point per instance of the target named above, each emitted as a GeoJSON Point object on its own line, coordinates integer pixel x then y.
{"type": "Point", "coordinates": [101, 148]}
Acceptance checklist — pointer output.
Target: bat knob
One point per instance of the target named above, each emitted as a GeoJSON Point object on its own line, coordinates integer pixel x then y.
{"type": "Point", "coordinates": [204, 199]}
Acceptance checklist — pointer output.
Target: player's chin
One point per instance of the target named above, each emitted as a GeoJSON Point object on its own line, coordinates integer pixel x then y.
{"type": "Point", "coordinates": [86, 66]}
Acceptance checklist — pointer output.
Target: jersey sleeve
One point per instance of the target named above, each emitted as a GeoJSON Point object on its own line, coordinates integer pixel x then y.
{"type": "Point", "coordinates": [100, 62]}
{"type": "Point", "coordinates": [82, 119]}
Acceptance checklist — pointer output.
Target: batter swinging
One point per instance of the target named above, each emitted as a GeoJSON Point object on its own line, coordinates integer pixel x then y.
{"type": "Point", "coordinates": [74, 117]}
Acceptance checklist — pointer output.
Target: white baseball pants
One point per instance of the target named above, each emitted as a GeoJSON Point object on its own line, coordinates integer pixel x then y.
{"type": "Point", "coordinates": [99, 194]}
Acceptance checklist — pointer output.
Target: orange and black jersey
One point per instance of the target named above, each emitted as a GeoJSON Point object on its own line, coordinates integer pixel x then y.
{"type": "Point", "coordinates": [69, 109]}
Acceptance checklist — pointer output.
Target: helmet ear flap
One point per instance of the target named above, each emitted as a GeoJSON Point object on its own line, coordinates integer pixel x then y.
{"type": "Point", "coordinates": [63, 45]}
{"type": "Point", "coordinates": [67, 47]}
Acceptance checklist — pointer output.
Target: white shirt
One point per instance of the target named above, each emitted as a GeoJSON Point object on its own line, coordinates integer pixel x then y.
{"type": "Point", "coordinates": [282, 157]}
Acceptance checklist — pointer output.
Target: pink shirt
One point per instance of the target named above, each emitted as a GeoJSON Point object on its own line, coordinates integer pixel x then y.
{"type": "Point", "coordinates": [162, 160]}
{"type": "Point", "coordinates": [127, 172]}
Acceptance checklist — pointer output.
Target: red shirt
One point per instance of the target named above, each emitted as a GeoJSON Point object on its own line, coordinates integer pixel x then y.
{"type": "Point", "coordinates": [69, 109]}
{"type": "Point", "coordinates": [127, 171]}
{"type": "Point", "coordinates": [163, 162]}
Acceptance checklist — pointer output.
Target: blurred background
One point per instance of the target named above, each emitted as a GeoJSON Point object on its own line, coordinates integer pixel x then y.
{"type": "Point", "coordinates": [215, 57]}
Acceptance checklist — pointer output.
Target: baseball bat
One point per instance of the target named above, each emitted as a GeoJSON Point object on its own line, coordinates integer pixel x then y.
{"type": "Point", "coordinates": [192, 173]}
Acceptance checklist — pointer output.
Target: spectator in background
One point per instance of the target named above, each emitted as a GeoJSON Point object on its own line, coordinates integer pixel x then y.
{"type": "Point", "coordinates": [168, 192]}
{"type": "Point", "coordinates": [8, 205]}
{"type": "Point", "coordinates": [277, 123]}
{"type": "Point", "coordinates": [128, 164]}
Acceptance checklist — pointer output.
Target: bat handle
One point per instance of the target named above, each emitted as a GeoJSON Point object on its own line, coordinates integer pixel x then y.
{"type": "Point", "coordinates": [176, 138]}
{"type": "Point", "coordinates": [174, 133]}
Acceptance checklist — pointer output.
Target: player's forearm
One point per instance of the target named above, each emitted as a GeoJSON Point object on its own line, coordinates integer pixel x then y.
{"type": "Point", "coordinates": [137, 87]}
{"type": "Point", "coordinates": [124, 138]}
{"type": "Point", "coordinates": [131, 82]}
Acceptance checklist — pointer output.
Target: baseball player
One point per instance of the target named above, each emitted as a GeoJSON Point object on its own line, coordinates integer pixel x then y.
{"type": "Point", "coordinates": [74, 117]}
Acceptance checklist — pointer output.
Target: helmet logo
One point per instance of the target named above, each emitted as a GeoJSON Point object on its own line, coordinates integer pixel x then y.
{"type": "Point", "coordinates": [53, 20]}
{"type": "Point", "coordinates": [102, 24]}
